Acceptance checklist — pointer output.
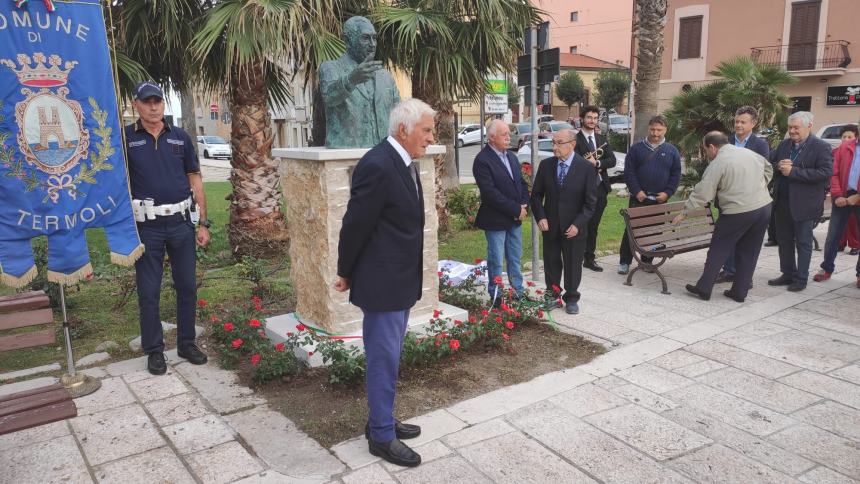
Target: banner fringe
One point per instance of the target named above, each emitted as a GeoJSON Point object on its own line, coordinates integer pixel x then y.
{"type": "Point", "coordinates": [23, 280]}
{"type": "Point", "coordinates": [77, 276]}
{"type": "Point", "coordinates": [127, 260]}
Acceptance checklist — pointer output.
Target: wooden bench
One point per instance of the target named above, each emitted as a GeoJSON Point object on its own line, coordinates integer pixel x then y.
{"type": "Point", "coordinates": [38, 406]}
{"type": "Point", "coordinates": [652, 234]}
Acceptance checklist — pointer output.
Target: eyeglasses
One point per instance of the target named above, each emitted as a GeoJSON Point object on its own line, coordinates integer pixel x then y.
{"type": "Point", "coordinates": [559, 143]}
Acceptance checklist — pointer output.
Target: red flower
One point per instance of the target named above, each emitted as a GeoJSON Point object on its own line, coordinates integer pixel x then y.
{"type": "Point", "coordinates": [439, 273]}
{"type": "Point", "coordinates": [457, 322]}
{"type": "Point", "coordinates": [559, 301]}
{"type": "Point", "coordinates": [436, 313]}
{"type": "Point", "coordinates": [454, 344]}
{"type": "Point", "coordinates": [256, 359]}
{"type": "Point", "coordinates": [484, 313]}
{"type": "Point", "coordinates": [256, 299]}
{"type": "Point", "coordinates": [213, 318]}
{"type": "Point", "coordinates": [497, 280]}
{"type": "Point", "coordinates": [289, 333]}
{"type": "Point", "coordinates": [478, 261]}
{"type": "Point", "coordinates": [539, 292]}
{"type": "Point", "coordinates": [540, 313]}
{"type": "Point", "coordinates": [473, 319]}
{"type": "Point", "coordinates": [310, 353]}
{"type": "Point", "coordinates": [530, 283]}
{"type": "Point", "coordinates": [254, 323]}
{"type": "Point", "coordinates": [498, 319]}
{"type": "Point", "coordinates": [280, 347]}
{"type": "Point", "coordinates": [509, 325]}
{"type": "Point", "coordinates": [237, 343]}
{"type": "Point", "coordinates": [228, 327]}
{"type": "Point", "coordinates": [556, 289]}
{"type": "Point", "coordinates": [506, 336]}
{"type": "Point", "coordinates": [438, 342]}
{"type": "Point", "coordinates": [202, 303]}
{"type": "Point", "coordinates": [301, 327]}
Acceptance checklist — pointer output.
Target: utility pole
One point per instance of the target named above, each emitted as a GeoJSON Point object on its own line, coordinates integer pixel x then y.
{"type": "Point", "coordinates": [534, 154]}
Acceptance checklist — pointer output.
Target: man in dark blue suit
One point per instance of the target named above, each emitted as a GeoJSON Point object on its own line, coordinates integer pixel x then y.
{"type": "Point", "coordinates": [746, 117]}
{"type": "Point", "coordinates": [504, 200]}
{"type": "Point", "coordinates": [564, 197]}
{"type": "Point", "coordinates": [802, 167]}
{"type": "Point", "coordinates": [380, 262]}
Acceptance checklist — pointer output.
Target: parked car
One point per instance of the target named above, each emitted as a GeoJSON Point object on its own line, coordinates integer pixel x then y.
{"type": "Point", "coordinates": [518, 130]}
{"type": "Point", "coordinates": [830, 133]}
{"type": "Point", "coordinates": [214, 147]}
{"type": "Point", "coordinates": [616, 173]}
{"type": "Point", "coordinates": [527, 138]}
{"type": "Point", "coordinates": [547, 129]}
{"type": "Point", "coordinates": [618, 123]}
{"type": "Point", "coordinates": [471, 134]}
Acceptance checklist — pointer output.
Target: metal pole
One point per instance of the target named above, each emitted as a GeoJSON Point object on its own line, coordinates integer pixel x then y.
{"type": "Point", "coordinates": [70, 358]}
{"type": "Point", "coordinates": [456, 147]}
{"type": "Point", "coordinates": [481, 124]}
{"type": "Point", "coordinates": [534, 154]}
{"type": "Point", "coordinates": [77, 385]}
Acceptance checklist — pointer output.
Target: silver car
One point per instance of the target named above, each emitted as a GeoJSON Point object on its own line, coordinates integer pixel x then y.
{"type": "Point", "coordinates": [616, 173]}
{"type": "Point", "coordinates": [831, 133]}
{"type": "Point", "coordinates": [214, 147]}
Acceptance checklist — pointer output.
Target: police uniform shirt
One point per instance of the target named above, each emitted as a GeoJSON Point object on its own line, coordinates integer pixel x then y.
{"type": "Point", "coordinates": [158, 168]}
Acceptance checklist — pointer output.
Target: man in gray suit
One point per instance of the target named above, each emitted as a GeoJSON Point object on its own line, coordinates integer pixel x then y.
{"type": "Point", "coordinates": [357, 92]}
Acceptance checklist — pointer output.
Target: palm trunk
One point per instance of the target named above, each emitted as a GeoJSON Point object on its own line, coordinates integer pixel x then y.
{"type": "Point", "coordinates": [447, 178]}
{"type": "Point", "coordinates": [189, 114]}
{"type": "Point", "coordinates": [257, 224]}
{"type": "Point", "coordinates": [650, 22]}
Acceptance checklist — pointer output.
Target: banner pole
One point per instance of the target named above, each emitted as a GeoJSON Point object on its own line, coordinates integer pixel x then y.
{"type": "Point", "coordinates": [77, 384]}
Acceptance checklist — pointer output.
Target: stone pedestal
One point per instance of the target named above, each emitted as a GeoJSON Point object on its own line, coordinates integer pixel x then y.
{"type": "Point", "coordinates": [316, 185]}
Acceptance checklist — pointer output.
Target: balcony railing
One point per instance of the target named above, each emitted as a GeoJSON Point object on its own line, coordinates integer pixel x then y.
{"type": "Point", "coordinates": [812, 56]}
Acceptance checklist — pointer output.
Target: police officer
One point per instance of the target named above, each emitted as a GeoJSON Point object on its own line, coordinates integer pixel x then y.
{"type": "Point", "coordinates": [164, 172]}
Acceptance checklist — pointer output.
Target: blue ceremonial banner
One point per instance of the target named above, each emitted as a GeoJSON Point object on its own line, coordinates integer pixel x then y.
{"type": "Point", "coordinates": [62, 167]}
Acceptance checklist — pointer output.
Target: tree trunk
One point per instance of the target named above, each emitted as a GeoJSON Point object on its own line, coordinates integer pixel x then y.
{"type": "Point", "coordinates": [257, 224]}
{"type": "Point", "coordinates": [650, 22]}
{"type": "Point", "coordinates": [189, 114]}
{"type": "Point", "coordinates": [447, 177]}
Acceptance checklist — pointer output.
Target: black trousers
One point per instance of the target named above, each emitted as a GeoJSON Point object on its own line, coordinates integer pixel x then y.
{"type": "Point", "coordinates": [771, 227]}
{"type": "Point", "coordinates": [741, 233]}
{"type": "Point", "coordinates": [561, 254]}
{"type": "Point", "coordinates": [627, 252]}
{"type": "Point", "coordinates": [594, 223]}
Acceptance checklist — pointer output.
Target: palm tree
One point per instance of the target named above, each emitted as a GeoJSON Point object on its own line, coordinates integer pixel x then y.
{"type": "Point", "coordinates": [650, 21]}
{"type": "Point", "coordinates": [244, 48]}
{"type": "Point", "coordinates": [449, 47]}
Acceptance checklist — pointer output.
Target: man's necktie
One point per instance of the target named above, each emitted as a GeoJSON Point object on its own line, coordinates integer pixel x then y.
{"type": "Point", "coordinates": [591, 143]}
{"type": "Point", "coordinates": [413, 171]}
{"type": "Point", "coordinates": [562, 172]}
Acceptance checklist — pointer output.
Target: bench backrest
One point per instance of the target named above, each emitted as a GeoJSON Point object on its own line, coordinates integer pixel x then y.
{"type": "Point", "coordinates": [651, 227]}
{"type": "Point", "coordinates": [21, 310]}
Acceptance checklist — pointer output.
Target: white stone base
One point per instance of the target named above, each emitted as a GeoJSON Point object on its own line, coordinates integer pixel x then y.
{"type": "Point", "coordinates": [277, 328]}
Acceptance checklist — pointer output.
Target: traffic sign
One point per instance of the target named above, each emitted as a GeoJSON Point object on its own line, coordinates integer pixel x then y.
{"type": "Point", "coordinates": [213, 108]}
{"type": "Point", "coordinates": [496, 103]}
{"type": "Point", "coordinates": [548, 67]}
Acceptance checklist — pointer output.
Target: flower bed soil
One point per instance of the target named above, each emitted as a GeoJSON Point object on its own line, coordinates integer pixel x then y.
{"type": "Point", "coordinates": [331, 413]}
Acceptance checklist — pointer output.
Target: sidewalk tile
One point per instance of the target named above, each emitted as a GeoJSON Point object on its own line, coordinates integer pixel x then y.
{"type": "Point", "coordinates": [833, 417]}
{"type": "Point", "coordinates": [113, 393]}
{"type": "Point", "coordinates": [449, 469]}
{"type": "Point", "coordinates": [823, 475]}
{"type": "Point", "coordinates": [354, 453]}
{"type": "Point", "coordinates": [34, 435]}
{"type": "Point", "coordinates": [429, 452]}
{"type": "Point", "coordinates": [711, 426]}
{"type": "Point", "coordinates": [24, 385]}
{"type": "Point", "coordinates": [273, 477]}
{"type": "Point", "coordinates": [197, 434]}
{"type": "Point", "coordinates": [742, 414]}
{"type": "Point", "coordinates": [763, 391]}
{"type": "Point", "coordinates": [849, 373]}
{"type": "Point", "coordinates": [179, 408]}
{"type": "Point", "coordinates": [159, 465]}
{"type": "Point", "coordinates": [589, 449]}
{"type": "Point", "coordinates": [838, 390]}
{"type": "Point", "coordinates": [218, 387]}
{"type": "Point", "coordinates": [830, 334]}
{"type": "Point", "coordinates": [676, 359]}
{"type": "Point", "coordinates": [476, 433]}
{"type": "Point", "coordinates": [514, 458]}
{"type": "Point", "coordinates": [372, 474]}
{"type": "Point", "coordinates": [647, 431]}
{"type": "Point", "coordinates": [158, 388]}
{"type": "Point", "coordinates": [644, 398]}
{"type": "Point", "coordinates": [835, 452]}
{"type": "Point", "coordinates": [435, 425]}
{"type": "Point", "coordinates": [810, 351]}
{"type": "Point", "coordinates": [745, 360]}
{"type": "Point", "coordinates": [630, 355]}
{"type": "Point", "coordinates": [716, 463]}
{"type": "Point", "coordinates": [116, 433]}
{"type": "Point", "coordinates": [699, 369]}
{"type": "Point", "coordinates": [54, 461]}
{"type": "Point", "coordinates": [587, 399]}
{"type": "Point", "coordinates": [224, 463]}
{"type": "Point", "coordinates": [654, 378]}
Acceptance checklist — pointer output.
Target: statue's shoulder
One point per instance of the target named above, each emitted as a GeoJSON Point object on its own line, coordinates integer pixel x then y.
{"type": "Point", "coordinates": [335, 64]}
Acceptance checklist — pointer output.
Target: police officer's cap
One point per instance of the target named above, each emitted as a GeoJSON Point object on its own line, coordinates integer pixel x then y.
{"type": "Point", "coordinates": [146, 90]}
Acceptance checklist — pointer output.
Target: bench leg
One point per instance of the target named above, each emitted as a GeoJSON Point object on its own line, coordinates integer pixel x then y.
{"type": "Point", "coordinates": [629, 280]}
{"type": "Point", "coordinates": [648, 267]}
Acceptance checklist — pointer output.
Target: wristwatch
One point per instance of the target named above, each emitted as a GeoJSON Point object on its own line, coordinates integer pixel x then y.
{"type": "Point", "coordinates": [206, 223]}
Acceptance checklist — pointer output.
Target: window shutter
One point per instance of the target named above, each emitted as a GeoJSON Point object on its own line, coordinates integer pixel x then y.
{"type": "Point", "coordinates": [690, 38]}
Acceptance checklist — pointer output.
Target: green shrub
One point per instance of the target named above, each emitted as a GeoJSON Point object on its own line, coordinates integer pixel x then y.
{"type": "Point", "coordinates": [463, 203]}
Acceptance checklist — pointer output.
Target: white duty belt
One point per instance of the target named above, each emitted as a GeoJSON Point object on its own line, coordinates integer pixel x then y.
{"type": "Point", "coordinates": [147, 210]}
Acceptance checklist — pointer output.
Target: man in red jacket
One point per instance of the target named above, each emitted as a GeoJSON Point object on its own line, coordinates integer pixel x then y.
{"type": "Point", "coordinates": [843, 190]}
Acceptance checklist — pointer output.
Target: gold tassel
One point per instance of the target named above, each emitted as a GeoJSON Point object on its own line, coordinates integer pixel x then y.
{"type": "Point", "coordinates": [127, 260]}
{"type": "Point", "coordinates": [83, 273]}
{"type": "Point", "coordinates": [21, 281]}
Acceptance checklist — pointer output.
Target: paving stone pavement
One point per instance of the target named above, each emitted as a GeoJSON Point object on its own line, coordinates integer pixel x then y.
{"type": "Point", "coordinates": [689, 391]}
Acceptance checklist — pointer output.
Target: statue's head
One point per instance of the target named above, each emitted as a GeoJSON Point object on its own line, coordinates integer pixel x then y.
{"type": "Point", "coordinates": [360, 37]}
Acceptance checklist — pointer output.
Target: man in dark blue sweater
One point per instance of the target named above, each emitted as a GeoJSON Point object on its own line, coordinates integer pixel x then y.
{"type": "Point", "coordinates": [652, 170]}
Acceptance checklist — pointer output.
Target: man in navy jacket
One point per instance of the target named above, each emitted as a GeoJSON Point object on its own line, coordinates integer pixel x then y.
{"type": "Point", "coordinates": [380, 262]}
{"type": "Point", "coordinates": [504, 200]}
{"type": "Point", "coordinates": [802, 165]}
{"type": "Point", "coordinates": [652, 170]}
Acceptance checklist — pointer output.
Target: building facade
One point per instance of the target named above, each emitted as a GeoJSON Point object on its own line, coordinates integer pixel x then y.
{"type": "Point", "coordinates": [813, 39]}
{"type": "Point", "coordinates": [595, 28]}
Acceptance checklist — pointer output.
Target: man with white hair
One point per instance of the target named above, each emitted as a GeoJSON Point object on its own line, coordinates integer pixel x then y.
{"type": "Point", "coordinates": [504, 199]}
{"type": "Point", "coordinates": [380, 263]}
{"type": "Point", "coordinates": [802, 166]}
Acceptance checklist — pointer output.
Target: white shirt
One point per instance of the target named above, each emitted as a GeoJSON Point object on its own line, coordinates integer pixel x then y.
{"type": "Point", "coordinates": [400, 150]}
{"type": "Point", "coordinates": [590, 135]}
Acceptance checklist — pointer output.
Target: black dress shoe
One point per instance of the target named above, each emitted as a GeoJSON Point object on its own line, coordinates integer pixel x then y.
{"type": "Point", "coordinates": [695, 290]}
{"type": "Point", "coordinates": [156, 363]}
{"type": "Point", "coordinates": [592, 265]}
{"type": "Point", "coordinates": [395, 452]}
{"type": "Point", "coordinates": [797, 286]}
{"type": "Point", "coordinates": [724, 276]}
{"type": "Point", "coordinates": [782, 280]}
{"type": "Point", "coordinates": [571, 308]}
{"type": "Point", "coordinates": [770, 243]}
{"type": "Point", "coordinates": [403, 431]}
{"type": "Point", "coordinates": [729, 294]}
{"type": "Point", "coordinates": [193, 354]}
